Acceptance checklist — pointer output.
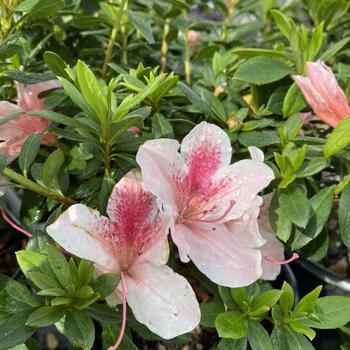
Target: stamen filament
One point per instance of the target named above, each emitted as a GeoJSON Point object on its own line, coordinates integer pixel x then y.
{"type": "Point", "coordinates": [12, 224]}
{"type": "Point", "coordinates": [295, 256]}
{"type": "Point", "coordinates": [122, 329]}
{"type": "Point", "coordinates": [232, 203]}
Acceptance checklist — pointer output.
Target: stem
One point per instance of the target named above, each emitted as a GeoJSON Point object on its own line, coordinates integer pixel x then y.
{"type": "Point", "coordinates": [30, 185]}
{"type": "Point", "coordinates": [342, 184]}
{"type": "Point", "coordinates": [187, 59]}
{"type": "Point", "coordinates": [114, 33]}
{"type": "Point", "coordinates": [165, 46]}
{"type": "Point", "coordinates": [122, 329]}
{"type": "Point", "coordinates": [11, 223]}
{"type": "Point", "coordinates": [230, 4]}
{"type": "Point", "coordinates": [125, 46]}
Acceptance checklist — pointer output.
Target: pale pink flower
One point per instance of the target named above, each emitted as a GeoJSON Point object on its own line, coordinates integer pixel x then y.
{"type": "Point", "coordinates": [132, 242]}
{"type": "Point", "coordinates": [323, 93]}
{"type": "Point", "coordinates": [16, 131]}
{"type": "Point", "coordinates": [273, 250]}
{"type": "Point", "coordinates": [201, 191]}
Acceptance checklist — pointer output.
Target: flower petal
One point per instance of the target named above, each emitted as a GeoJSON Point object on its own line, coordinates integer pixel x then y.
{"type": "Point", "coordinates": [221, 255]}
{"type": "Point", "coordinates": [324, 81]}
{"type": "Point", "coordinates": [77, 230]}
{"type": "Point", "coordinates": [159, 161]}
{"type": "Point", "coordinates": [247, 178]}
{"type": "Point", "coordinates": [28, 95]}
{"type": "Point", "coordinates": [273, 250]}
{"type": "Point", "coordinates": [206, 148]}
{"type": "Point", "coordinates": [138, 224]}
{"type": "Point", "coordinates": [316, 101]}
{"type": "Point", "coordinates": [162, 300]}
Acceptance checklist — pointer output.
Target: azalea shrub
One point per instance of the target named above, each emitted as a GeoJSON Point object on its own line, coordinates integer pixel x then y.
{"type": "Point", "coordinates": [172, 170]}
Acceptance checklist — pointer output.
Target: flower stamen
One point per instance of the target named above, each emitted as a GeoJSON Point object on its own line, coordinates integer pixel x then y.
{"type": "Point", "coordinates": [295, 256]}
{"type": "Point", "coordinates": [122, 329]}
{"type": "Point", "coordinates": [232, 203]}
{"type": "Point", "coordinates": [12, 224]}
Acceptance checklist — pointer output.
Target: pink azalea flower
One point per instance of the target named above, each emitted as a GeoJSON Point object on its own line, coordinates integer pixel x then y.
{"type": "Point", "coordinates": [15, 132]}
{"type": "Point", "coordinates": [132, 242]}
{"type": "Point", "coordinates": [323, 93]}
{"type": "Point", "coordinates": [273, 250]}
{"type": "Point", "coordinates": [193, 37]}
{"type": "Point", "coordinates": [201, 191]}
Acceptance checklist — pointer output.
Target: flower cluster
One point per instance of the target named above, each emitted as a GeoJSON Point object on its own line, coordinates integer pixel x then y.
{"type": "Point", "coordinates": [212, 210]}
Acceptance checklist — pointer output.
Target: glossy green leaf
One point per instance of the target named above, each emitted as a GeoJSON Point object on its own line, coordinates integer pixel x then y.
{"type": "Point", "coordinates": [232, 324]}
{"type": "Point", "coordinates": [262, 70]}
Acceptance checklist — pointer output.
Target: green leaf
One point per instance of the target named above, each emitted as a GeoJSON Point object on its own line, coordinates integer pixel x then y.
{"type": "Point", "coordinates": [293, 101]}
{"type": "Point", "coordinates": [58, 118]}
{"type": "Point", "coordinates": [258, 337]}
{"type": "Point", "coordinates": [268, 298]}
{"type": "Point", "coordinates": [9, 117]}
{"type": "Point", "coordinates": [29, 152]}
{"type": "Point", "coordinates": [280, 222]}
{"type": "Point", "coordinates": [109, 336]}
{"type": "Point", "coordinates": [295, 205]}
{"type": "Point", "coordinates": [314, 166]}
{"type": "Point", "coordinates": [286, 301]}
{"type": "Point", "coordinates": [52, 166]}
{"type": "Point", "coordinates": [283, 23]}
{"type": "Point", "coordinates": [258, 138]}
{"type": "Point", "coordinates": [297, 341]}
{"type": "Point", "coordinates": [29, 260]}
{"type": "Point", "coordinates": [209, 312]}
{"type": "Point", "coordinates": [103, 313]}
{"type": "Point", "coordinates": [85, 273]}
{"type": "Point", "coordinates": [29, 78]}
{"type": "Point", "coordinates": [79, 329]}
{"type": "Point", "coordinates": [45, 316]}
{"type": "Point", "coordinates": [333, 312]}
{"type": "Point", "coordinates": [132, 101]}
{"type": "Point", "coordinates": [196, 100]}
{"type": "Point", "coordinates": [321, 206]}
{"type": "Point", "coordinates": [232, 325]}
{"type": "Point", "coordinates": [233, 344]}
{"type": "Point", "coordinates": [105, 284]}
{"type": "Point", "coordinates": [141, 24]}
{"type": "Point", "coordinates": [239, 295]}
{"type": "Point", "coordinates": [307, 302]}
{"type": "Point", "coordinates": [39, 8]}
{"type": "Point", "coordinates": [9, 46]}
{"type": "Point", "coordinates": [316, 41]}
{"type": "Point", "coordinates": [333, 49]}
{"type": "Point", "coordinates": [20, 292]}
{"type": "Point", "coordinates": [262, 70]}
{"type": "Point", "coordinates": [161, 127]}
{"type": "Point", "coordinates": [91, 90]}
{"type": "Point", "coordinates": [344, 215]}
{"type": "Point", "coordinates": [60, 267]}
{"type": "Point", "coordinates": [14, 331]}
{"type": "Point", "coordinates": [55, 63]}
{"type": "Point", "coordinates": [118, 128]}
{"type": "Point", "coordinates": [338, 139]}
{"type": "Point", "coordinates": [300, 328]}
{"type": "Point", "coordinates": [252, 52]}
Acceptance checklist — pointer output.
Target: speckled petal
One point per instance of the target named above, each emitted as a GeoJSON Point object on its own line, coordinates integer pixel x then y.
{"type": "Point", "coordinates": [159, 160]}
{"type": "Point", "coordinates": [221, 255]}
{"type": "Point", "coordinates": [162, 300]}
{"type": "Point", "coordinates": [77, 230]}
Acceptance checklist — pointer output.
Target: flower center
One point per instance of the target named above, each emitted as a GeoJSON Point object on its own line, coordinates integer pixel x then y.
{"type": "Point", "coordinates": [195, 214]}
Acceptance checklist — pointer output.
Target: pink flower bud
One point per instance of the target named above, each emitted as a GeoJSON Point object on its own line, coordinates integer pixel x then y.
{"type": "Point", "coordinates": [323, 93]}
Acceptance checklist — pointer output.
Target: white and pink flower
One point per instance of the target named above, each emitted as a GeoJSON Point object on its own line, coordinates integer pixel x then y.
{"type": "Point", "coordinates": [201, 191]}
{"type": "Point", "coordinates": [132, 242]}
{"type": "Point", "coordinates": [15, 132]}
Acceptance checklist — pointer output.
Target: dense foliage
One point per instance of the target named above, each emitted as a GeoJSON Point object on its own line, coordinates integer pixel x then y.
{"type": "Point", "coordinates": [88, 85]}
